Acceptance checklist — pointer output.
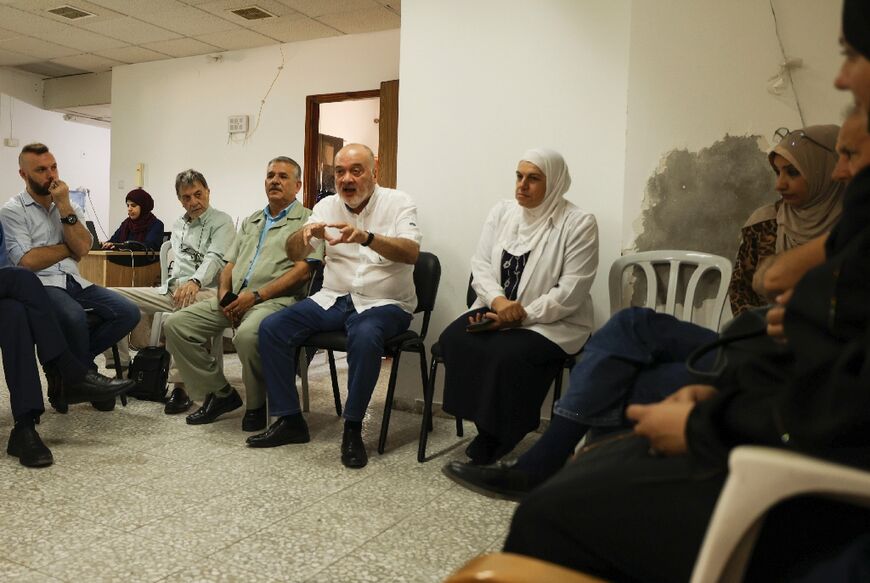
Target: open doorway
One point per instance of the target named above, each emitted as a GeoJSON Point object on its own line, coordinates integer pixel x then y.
{"type": "Point", "coordinates": [334, 119]}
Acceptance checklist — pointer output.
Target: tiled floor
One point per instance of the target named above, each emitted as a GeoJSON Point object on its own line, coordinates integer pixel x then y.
{"type": "Point", "coordinates": [135, 495]}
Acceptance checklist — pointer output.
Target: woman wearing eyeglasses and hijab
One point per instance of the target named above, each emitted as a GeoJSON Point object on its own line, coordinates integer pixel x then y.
{"type": "Point", "coordinates": [532, 271]}
{"type": "Point", "coordinates": [810, 205]}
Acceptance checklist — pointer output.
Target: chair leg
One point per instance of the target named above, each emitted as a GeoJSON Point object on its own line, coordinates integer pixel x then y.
{"type": "Point", "coordinates": [388, 402]}
{"type": "Point", "coordinates": [459, 430]}
{"type": "Point", "coordinates": [428, 392]}
{"type": "Point", "coordinates": [425, 379]}
{"type": "Point", "coordinates": [334, 373]}
{"type": "Point", "coordinates": [302, 368]}
{"type": "Point", "coordinates": [557, 391]}
{"type": "Point", "coordinates": [118, 370]}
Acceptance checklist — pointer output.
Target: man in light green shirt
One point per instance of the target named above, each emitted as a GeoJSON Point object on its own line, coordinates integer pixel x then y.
{"type": "Point", "coordinates": [200, 240]}
{"type": "Point", "coordinates": [258, 280]}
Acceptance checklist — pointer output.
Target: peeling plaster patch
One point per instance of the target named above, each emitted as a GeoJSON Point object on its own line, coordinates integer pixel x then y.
{"type": "Point", "coordinates": [699, 201]}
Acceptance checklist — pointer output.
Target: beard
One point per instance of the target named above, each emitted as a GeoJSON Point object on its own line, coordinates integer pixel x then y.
{"type": "Point", "coordinates": [37, 188]}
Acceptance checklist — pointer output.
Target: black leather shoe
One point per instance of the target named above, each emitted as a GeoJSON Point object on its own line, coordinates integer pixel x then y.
{"type": "Point", "coordinates": [25, 444]}
{"type": "Point", "coordinates": [107, 405]}
{"type": "Point", "coordinates": [214, 407]}
{"type": "Point", "coordinates": [499, 480]}
{"type": "Point", "coordinates": [254, 419]}
{"type": "Point", "coordinates": [95, 387]}
{"type": "Point", "coordinates": [353, 450]}
{"type": "Point", "coordinates": [178, 402]}
{"type": "Point", "coordinates": [287, 429]}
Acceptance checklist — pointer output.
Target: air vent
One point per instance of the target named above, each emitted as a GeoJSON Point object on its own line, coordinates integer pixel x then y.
{"type": "Point", "coordinates": [252, 13]}
{"type": "Point", "coordinates": [70, 12]}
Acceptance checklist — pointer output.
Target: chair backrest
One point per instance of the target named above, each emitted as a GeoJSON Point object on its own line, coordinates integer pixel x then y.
{"type": "Point", "coordinates": [164, 262]}
{"type": "Point", "coordinates": [647, 260]}
{"type": "Point", "coordinates": [427, 276]}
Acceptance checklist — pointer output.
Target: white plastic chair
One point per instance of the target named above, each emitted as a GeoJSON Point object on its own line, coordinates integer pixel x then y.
{"type": "Point", "coordinates": [759, 478]}
{"type": "Point", "coordinates": [647, 260]}
{"type": "Point", "coordinates": [217, 346]}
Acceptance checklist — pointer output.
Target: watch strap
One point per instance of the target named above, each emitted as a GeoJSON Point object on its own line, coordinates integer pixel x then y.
{"type": "Point", "coordinates": [368, 240]}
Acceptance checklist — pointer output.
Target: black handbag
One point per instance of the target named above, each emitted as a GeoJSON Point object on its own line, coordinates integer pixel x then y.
{"type": "Point", "coordinates": [744, 338]}
{"type": "Point", "coordinates": [150, 370]}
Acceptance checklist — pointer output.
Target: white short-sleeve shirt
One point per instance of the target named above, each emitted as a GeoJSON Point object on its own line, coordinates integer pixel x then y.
{"type": "Point", "coordinates": [369, 278]}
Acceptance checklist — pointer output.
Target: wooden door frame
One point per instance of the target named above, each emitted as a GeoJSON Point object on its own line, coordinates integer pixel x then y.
{"type": "Point", "coordinates": [312, 125]}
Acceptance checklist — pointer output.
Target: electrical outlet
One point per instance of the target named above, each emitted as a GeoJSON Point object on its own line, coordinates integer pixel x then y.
{"type": "Point", "coordinates": [238, 124]}
{"type": "Point", "coordinates": [10, 142]}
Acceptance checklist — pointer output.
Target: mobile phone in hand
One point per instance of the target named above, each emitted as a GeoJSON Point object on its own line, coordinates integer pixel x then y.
{"type": "Point", "coordinates": [228, 298]}
{"type": "Point", "coordinates": [484, 324]}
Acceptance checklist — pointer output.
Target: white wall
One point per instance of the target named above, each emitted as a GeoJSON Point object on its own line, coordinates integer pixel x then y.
{"type": "Point", "coordinates": [699, 69]}
{"type": "Point", "coordinates": [81, 151]}
{"type": "Point", "coordinates": [476, 93]}
{"type": "Point", "coordinates": [352, 120]}
{"type": "Point", "coordinates": [172, 115]}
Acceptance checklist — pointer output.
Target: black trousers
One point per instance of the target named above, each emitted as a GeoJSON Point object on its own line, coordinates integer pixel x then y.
{"type": "Point", "coordinates": [498, 379]}
{"type": "Point", "coordinates": [625, 515]}
{"type": "Point", "coordinates": [620, 513]}
{"type": "Point", "coordinates": [26, 319]}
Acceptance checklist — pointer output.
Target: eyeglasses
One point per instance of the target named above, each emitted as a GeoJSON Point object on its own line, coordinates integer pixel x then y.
{"type": "Point", "coordinates": [783, 133]}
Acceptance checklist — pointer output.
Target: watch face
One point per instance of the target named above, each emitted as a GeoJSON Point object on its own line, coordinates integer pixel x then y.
{"type": "Point", "coordinates": [70, 220]}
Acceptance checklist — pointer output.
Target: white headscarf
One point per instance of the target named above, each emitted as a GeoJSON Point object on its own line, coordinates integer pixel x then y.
{"type": "Point", "coordinates": [526, 226]}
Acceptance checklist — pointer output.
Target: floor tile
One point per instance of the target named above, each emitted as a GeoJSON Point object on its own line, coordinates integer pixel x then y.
{"type": "Point", "coordinates": [136, 495]}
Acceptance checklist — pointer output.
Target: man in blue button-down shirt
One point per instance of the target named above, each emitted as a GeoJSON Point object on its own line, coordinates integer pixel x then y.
{"type": "Point", "coordinates": [45, 233]}
{"type": "Point", "coordinates": [28, 320]}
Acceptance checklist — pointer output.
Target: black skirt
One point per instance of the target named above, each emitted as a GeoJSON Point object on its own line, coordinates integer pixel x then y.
{"type": "Point", "coordinates": [498, 379]}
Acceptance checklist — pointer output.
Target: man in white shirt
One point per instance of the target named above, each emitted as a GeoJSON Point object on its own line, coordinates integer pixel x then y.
{"type": "Point", "coordinates": [368, 290]}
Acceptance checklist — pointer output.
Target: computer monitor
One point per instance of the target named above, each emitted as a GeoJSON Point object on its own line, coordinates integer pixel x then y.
{"type": "Point", "coordinates": [96, 243]}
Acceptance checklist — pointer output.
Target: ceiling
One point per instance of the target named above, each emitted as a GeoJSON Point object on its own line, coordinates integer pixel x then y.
{"type": "Point", "coordinates": [122, 32]}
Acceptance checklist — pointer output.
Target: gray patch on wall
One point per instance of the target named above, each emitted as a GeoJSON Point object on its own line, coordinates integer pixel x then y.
{"type": "Point", "coordinates": [700, 201]}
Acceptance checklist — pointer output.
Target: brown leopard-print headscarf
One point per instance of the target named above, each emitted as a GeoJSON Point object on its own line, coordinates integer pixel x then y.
{"type": "Point", "coordinates": [811, 151]}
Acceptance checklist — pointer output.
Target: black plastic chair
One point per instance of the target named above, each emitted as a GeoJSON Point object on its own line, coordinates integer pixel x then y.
{"type": "Point", "coordinates": [55, 390]}
{"type": "Point", "coordinates": [429, 392]}
{"type": "Point", "coordinates": [427, 275]}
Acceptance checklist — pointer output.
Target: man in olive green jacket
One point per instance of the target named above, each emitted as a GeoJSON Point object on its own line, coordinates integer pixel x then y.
{"type": "Point", "coordinates": [258, 280]}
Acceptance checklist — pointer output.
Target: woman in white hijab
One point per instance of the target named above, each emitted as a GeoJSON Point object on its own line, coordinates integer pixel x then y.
{"type": "Point", "coordinates": [535, 263]}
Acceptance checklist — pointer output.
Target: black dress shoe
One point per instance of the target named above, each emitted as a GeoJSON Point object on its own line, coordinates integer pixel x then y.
{"type": "Point", "coordinates": [96, 387]}
{"type": "Point", "coordinates": [214, 407]}
{"type": "Point", "coordinates": [107, 405]}
{"type": "Point", "coordinates": [353, 450]}
{"type": "Point", "coordinates": [25, 444]}
{"type": "Point", "coordinates": [499, 480]}
{"type": "Point", "coordinates": [178, 402]}
{"type": "Point", "coordinates": [287, 429]}
{"type": "Point", "coordinates": [255, 419]}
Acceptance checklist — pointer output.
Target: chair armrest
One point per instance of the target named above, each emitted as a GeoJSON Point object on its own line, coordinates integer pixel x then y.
{"type": "Point", "coordinates": [759, 478]}
{"type": "Point", "coordinates": [511, 568]}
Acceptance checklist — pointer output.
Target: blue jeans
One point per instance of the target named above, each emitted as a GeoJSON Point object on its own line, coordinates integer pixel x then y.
{"type": "Point", "coordinates": [118, 316]}
{"type": "Point", "coordinates": [281, 333]}
{"type": "Point", "coordinates": [638, 356]}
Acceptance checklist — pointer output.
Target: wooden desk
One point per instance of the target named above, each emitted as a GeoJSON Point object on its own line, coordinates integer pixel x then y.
{"type": "Point", "coordinates": [97, 268]}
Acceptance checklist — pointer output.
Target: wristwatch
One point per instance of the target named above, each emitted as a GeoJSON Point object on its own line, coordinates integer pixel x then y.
{"type": "Point", "coordinates": [197, 282]}
{"type": "Point", "coordinates": [368, 240]}
{"type": "Point", "coordinates": [69, 219]}
{"type": "Point", "coordinates": [257, 298]}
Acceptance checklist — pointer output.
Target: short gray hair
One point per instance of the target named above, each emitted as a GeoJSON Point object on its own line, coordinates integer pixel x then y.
{"type": "Point", "coordinates": [285, 160]}
{"type": "Point", "coordinates": [188, 177]}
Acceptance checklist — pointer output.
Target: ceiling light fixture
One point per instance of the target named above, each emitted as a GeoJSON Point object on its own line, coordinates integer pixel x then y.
{"type": "Point", "coordinates": [70, 12]}
{"type": "Point", "coordinates": [252, 13]}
